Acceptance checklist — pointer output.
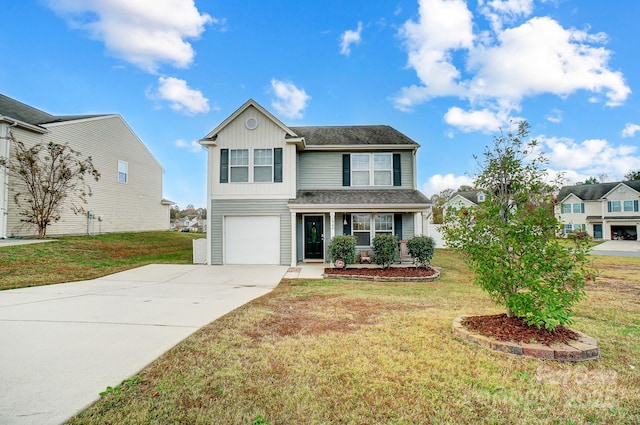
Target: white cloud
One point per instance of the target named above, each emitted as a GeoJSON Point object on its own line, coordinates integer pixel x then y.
{"type": "Point", "coordinates": [630, 130]}
{"type": "Point", "coordinates": [592, 157]}
{"type": "Point", "coordinates": [348, 38]}
{"type": "Point", "coordinates": [145, 33]}
{"type": "Point", "coordinates": [496, 69]}
{"type": "Point", "coordinates": [555, 116]}
{"type": "Point", "coordinates": [438, 183]}
{"type": "Point", "coordinates": [192, 146]}
{"type": "Point", "coordinates": [479, 120]}
{"type": "Point", "coordinates": [182, 98]}
{"type": "Point", "coordinates": [290, 101]}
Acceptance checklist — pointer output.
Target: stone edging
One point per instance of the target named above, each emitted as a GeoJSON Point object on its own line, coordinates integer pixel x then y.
{"type": "Point", "coordinates": [433, 277]}
{"type": "Point", "coordinates": [585, 348]}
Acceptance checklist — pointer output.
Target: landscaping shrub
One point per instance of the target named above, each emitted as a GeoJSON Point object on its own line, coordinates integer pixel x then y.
{"type": "Point", "coordinates": [343, 248]}
{"type": "Point", "coordinates": [385, 249]}
{"type": "Point", "coordinates": [421, 249]}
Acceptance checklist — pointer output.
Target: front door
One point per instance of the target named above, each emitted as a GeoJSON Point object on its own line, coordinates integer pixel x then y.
{"type": "Point", "coordinates": [313, 237]}
{"type": "Point", "coordinates": [597, 231]}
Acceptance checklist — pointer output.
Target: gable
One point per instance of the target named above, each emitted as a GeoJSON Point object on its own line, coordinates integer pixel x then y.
{"type": "Point", "coordinates": [623, 191]}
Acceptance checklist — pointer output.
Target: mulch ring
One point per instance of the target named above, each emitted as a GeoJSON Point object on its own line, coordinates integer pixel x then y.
{"type": "Point", "coordinates": [412, 274]}
{"type": "Point", "coordinates": [503, 328]}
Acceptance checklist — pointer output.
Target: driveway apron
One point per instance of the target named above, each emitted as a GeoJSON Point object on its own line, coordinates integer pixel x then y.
{"type": "Point", "coordinates": [61, 345]}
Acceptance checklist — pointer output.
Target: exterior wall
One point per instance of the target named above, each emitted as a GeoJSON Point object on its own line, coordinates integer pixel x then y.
{"type": "Point", "coordinates": [266, 135]}
{"type": "Point", "coordinates": [221, 207]}
{"type": "Point", "coordinates": [134, 206]}
{"type": "Point", "coordinates": [319, 170]}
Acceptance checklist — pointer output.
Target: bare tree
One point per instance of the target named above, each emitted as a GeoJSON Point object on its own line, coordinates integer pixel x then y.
{"type": "Point", "coordinates": [50, 174]}
{"type": "Point", "coordinates": [632, 175]}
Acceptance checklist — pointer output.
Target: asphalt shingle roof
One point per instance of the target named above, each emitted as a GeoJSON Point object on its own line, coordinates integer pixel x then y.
{"type": "Point", "coordinates": [359, 197]}
{"type": "Point", "coordinates": [14, 109]}
{"type": "Point", "coordinates": [353, 135]}
{"type": "Point", "coordinates": [592, 192]}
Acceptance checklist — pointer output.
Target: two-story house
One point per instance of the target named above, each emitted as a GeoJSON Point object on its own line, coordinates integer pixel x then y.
{"type": "Point", "coordinates": [602, 210]}
{"type": "Point", "coordinates": [128, 196]}
{"type": "Point", "coordinates": [279, 194]}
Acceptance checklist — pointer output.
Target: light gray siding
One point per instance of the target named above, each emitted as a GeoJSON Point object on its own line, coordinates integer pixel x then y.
{"type": "Point", "coordinates": [323, 170]}
{"type": "Point", "coordinates": [221, 207]}
{"type": "Point", "coordinates": [134, 206]}
{"type": "Point", "coordinates": [408, 226]}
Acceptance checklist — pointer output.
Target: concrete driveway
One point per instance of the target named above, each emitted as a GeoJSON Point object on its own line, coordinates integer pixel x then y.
{"type": "Point", "coordinates": [618, 248]}
{"type": "Point", "coordinates": [61, 345]}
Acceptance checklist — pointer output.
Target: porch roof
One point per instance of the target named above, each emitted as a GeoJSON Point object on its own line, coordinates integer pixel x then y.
{"type": "Point", "coordinates": [360, 198]}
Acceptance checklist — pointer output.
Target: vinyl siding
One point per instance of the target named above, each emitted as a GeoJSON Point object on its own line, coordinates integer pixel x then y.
{"type": "Point", "coordinates": [266, 135]}
{"type": "Point", "coordinates": [323, 170]}
{"type": "Point", "coordinates": [134, 206]}
{"type": "Point", "coordinates": [221, 207]}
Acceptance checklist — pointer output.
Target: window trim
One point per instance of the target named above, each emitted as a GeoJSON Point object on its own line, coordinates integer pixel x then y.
{"type": "Point", "coordinates": [372, 231]}
{"type": "Point", "coordinates": [371, 169]}
{"type": "Point", "coordinates": [125, 173]}
{"type": "Point", "coordinates": [252, 160]}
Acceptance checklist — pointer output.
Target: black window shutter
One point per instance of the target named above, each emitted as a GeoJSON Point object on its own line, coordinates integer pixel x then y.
{"type": "Point", "coordinates": [277, 165]}
{"type": "Point", "coordinates": [397, 173]}
{"type": "Point", "coordinates": [224, 165]}
{"type": "Point", "coordinates": [635, 205]}
{"type": "Point", "coordinates": [346, 228]}
{"type": "Point", "coordinates": [397, 225]}
{"type": "Point", "coordinates": [346, 169]}
{"type": "Point", "coordinates": [608, 206]}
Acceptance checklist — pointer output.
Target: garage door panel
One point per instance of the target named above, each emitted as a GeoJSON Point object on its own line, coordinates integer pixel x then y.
{"type": "Point", "coordinates": [252, 239]}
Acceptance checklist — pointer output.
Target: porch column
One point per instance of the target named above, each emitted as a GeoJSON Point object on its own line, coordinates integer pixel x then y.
{"type": "Point", "coordinates": [332, 225]}
{"type": "Point", "coordinates": [294, 238]}
{"type": "Point", "coordinates": [418, 223]}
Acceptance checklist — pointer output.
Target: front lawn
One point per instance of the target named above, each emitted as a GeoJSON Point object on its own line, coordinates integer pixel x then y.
{"type": "Point", "coordinates": [75, 258]}
{"type": "Point", "coordinates": [349, 352]}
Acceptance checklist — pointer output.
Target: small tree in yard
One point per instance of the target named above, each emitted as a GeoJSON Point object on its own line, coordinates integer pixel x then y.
{"type": "Point", "coordinates": [421, 249]}
{"type": "Point", "coordinates": [385, 248]}
{"type": "Point", "coordinates": [509, 241]}
{"type": "Point", "coordinates": [343, 248]}
{"type": "Point", "coordinates": [52, 176]}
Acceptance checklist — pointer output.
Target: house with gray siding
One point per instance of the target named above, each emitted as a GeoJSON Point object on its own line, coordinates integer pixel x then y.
{"type": "Point", "coordinates": [128, 196]}
{"type": "Point", "coordinates": [278, 194]}
{"type": "Point", "coordinates": [602, 210]}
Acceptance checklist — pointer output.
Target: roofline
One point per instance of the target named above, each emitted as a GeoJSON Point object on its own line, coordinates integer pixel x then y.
{"type": "Point", "coordinates": [358, 207]}
{"type": "Point", "coordinates": [616, 187]}
{"type": "Point", "coordinates": [17, 123]}
{"type": "Point", "coordinates": [80, 118]}
{"type": "Point", "coordinates": [358, 147]}
{"type": "Point", "coordinates": [213, 133]}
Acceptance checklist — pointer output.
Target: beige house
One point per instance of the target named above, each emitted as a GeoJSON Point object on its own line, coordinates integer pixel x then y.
{"type": "Point", "coordinates": [128, 196]}
{"type": "Point", "coordinates": [603, 210]}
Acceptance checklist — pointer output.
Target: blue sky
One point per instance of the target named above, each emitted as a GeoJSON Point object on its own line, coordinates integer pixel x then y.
{"type": "Point", "coordinates": [448, 73]}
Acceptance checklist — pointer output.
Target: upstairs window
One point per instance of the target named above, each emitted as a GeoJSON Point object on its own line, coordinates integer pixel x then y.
{"type": "Point", "coordinates": [631, 206]}
{"type": "Point", "coordinates": [566, 208]}
{"type": "Point", "coordinates": [263, 165]}
{"type": "Point", "coordinates": [123, 171]}
{"type": "Point", "coordinates": [578, 208]}
{"type": "Point", "coordinates": [371, 169]}
{"type": "Point", "coordinates": [239, 165]}
{"type": "Point", "coordinates": [614, 206]}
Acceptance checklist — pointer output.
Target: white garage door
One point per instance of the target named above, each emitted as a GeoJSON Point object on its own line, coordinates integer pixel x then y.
{"type": "Point", "coordinates": [252, 239]}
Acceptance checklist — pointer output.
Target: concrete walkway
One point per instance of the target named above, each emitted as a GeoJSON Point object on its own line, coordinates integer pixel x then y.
{"type": "Point", "coordinates": [61, 345]}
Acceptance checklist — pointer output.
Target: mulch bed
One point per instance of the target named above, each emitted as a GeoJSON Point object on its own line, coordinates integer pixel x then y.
{"type": "Point", "coordinates": [390, 272]}
{"type": "Point", "coordinates": [514, 329]}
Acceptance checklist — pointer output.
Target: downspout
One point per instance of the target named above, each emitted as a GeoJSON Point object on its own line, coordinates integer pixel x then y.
{"type": "Point", "coordinates": [4, 208]}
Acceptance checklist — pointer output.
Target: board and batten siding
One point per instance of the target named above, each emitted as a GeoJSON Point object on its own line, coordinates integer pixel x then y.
{"type": "Point", "coordinates": [248, 207]}
{"type": "Point", "coordinates": [266, 135]}
{"type": "Point", "coordinates": [323, 170]}
{"type": "Point", "coordinates": [132, 206]}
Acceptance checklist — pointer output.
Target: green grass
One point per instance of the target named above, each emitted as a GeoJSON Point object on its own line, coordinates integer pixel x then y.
{"type": "Point", "coordinates": [87, 257]}
{"type": "Point", "coordinates": [346, 352]}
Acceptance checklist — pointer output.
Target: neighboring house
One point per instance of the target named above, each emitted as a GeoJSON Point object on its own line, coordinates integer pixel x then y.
{"type": "Point", "coordinates": [603, 210]}
{"type": "Point", "coordinates": [128, 196]}
{"type": "Point", "coordinates": [466, 199]}
{"type": "Point", "coordinates": [279, 194]}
